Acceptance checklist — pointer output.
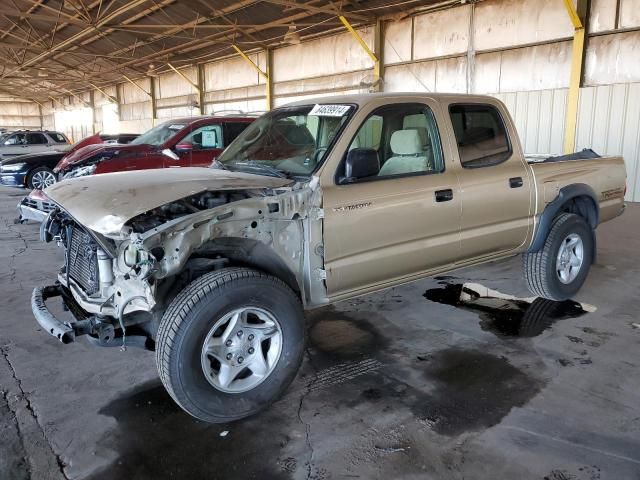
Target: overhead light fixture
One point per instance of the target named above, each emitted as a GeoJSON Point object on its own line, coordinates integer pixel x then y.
{"type": "Point", "coordinates": [292, 37]}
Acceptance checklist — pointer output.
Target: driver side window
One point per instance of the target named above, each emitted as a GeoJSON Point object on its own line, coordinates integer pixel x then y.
{"type": "Point", "coordinates": [403, 137]}
{"type": "Point", "coordinates": [208, 136]}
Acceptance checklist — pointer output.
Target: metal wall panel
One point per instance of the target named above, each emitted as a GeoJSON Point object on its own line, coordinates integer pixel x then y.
{"type": "Point", "coordinates": [444, 75]}
{"type": "Point", "coordinates": [506, 23]}
{"type": "Point", "coordinates": [397, 41]}
{"type": "Point", "coordinates": [233, 73]}
{"type": "Point", "coordinates": [613, 59]}
{"type": "Point", "coordinates": [129, 93]}
{"type": "Point", "coordinates": [629, 13]}
{"type": "Point", "coordinates": [539, 118]}
{"type": "Point", "coordinates": [609, 122]}
{"type": "Point", "coordinates": [173, 85]}
{"type": "Point", "coordinates": [441, 33]}
{"type": "Point", "coordinates": [339, 53]}
{"type": "Point", "coordinates": [602, 15]}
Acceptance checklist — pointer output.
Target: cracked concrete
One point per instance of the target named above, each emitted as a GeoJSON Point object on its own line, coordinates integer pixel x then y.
{"type": "Point", "coordinates": [393, 385]}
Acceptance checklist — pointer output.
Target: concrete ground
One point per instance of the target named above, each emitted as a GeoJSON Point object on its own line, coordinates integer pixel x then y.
{"type": "Point", "coordinates": [438, 379]}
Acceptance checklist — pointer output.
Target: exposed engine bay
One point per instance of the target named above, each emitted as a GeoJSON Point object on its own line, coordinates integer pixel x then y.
{"type": "Point", "coordinates": [186, 206]}
{"type": "Point", "coordinates": [123, 282]}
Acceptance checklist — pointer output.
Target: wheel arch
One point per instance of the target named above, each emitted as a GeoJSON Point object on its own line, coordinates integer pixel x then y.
{"type": "Point", "coordinates": [250, 253]}
{"type": "Point", "coordinates": [577, 198]}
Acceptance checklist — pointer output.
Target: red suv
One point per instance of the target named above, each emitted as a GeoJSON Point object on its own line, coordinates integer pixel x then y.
{"type": "Point", "coordinates": [181, 142]}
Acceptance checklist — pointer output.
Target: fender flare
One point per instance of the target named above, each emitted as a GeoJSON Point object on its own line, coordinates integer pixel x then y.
{"type": "Point", "coordinates": [551, 211]}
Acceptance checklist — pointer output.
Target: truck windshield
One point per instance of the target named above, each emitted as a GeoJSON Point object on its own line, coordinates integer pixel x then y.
{"type": "Point", "coordinates": [158, 134]}
{"type": "Point", "coordinates": [289, 140]}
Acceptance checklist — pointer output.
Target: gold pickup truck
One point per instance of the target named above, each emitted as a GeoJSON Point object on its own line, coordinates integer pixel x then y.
{"type": "Point", "coordinates": [315, 202]}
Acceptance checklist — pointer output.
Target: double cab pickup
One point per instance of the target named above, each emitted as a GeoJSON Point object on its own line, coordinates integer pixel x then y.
{"type": "Point", "coordinates": [315, 202]}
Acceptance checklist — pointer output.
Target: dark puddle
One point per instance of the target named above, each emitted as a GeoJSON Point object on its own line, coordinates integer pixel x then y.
{"type": "Point", "coordinates": [156, 439]}
{"type": "Point", "coordinates": [472, 391]}
{"type": "Point", "coordinates": [503, 315]}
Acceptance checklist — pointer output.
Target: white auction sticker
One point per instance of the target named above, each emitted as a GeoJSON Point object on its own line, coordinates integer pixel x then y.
{"type": "Point", "coordinates": [175, 126]}
{"type": "Point", "coordinates": [329, 110]}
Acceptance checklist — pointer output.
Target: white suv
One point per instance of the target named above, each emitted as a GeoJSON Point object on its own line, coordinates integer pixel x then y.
{"type": "Point", "coordinates": [31, 141]}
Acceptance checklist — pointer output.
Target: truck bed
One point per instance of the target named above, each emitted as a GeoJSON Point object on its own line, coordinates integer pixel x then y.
{"type": "Point", "coordinates": [585, 154]}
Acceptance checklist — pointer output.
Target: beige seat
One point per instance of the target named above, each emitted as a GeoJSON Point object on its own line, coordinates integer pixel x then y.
{"type": "Point", "coordinates": [407, 147]}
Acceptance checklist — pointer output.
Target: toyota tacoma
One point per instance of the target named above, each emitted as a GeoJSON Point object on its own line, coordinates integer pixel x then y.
{"type": "Point", "coordinates": [314, 203]}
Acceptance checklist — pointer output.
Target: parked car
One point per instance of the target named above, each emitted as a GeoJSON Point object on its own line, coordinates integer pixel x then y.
{"type": "Point", "coordinates": [32, 141]}
{"type": "Point", "coordinates": [36, 170]}
{"type": "Point", "coordinates": [359, 193]}
{"type": "Point", "coordinates": [182, 142]}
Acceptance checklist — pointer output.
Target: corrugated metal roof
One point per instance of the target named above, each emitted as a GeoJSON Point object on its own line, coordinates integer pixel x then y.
{"type": "Point", "coordinates": [53, 47]}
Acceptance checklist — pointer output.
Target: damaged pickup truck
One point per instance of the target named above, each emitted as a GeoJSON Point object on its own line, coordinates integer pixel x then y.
{"type": "Point", "coordinates": [315, 202]}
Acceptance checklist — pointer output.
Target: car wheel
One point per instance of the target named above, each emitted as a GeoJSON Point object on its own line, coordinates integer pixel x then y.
{"type": "Point", "coordinates": [41, 178]}
{"type": "Point", "coordinates": [559, 269]}
{"type": "Point", "coordinates": [230, 343]}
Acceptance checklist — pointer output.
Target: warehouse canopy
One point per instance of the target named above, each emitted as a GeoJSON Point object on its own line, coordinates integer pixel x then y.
{"type": "Point", "coordinates": [60, 47]}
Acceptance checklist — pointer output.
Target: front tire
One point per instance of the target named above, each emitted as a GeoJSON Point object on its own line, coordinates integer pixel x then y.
{"type": "Point", "coordinates": [41, 178]}
{"type": "Point", "coordinates": [230, 343]}
{"type": "Point", "coordinates": [559, 269]}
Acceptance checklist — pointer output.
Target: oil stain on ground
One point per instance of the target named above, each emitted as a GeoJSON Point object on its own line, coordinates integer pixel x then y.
{"type": "Point", "coordinates": [504, 315]}
{"type": "Point", "coordinates": [472, 391]}
{"type": "Point", "coordinates": [156, 439]}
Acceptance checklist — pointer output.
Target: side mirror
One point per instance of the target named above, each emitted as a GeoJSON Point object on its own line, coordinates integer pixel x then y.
{"type": "Point", "coordinates": [184, 147]}
{"type": "Point", "coordinates": [361, 163]}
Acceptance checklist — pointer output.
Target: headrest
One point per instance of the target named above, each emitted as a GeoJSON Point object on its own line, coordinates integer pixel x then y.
{"type": "Point", "coordinates": [422, 132]}
{"type": "Point", "coordinates": [406, 142]}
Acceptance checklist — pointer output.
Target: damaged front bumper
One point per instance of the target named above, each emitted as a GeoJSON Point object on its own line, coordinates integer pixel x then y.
{"type": "Point", "coordinates": [67, 332]}
{"type": "Point", "coordinates": [63, 331]}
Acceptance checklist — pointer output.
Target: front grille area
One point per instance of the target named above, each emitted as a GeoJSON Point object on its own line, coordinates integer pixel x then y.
{"type": "Point", "coordinates": [82, 260]}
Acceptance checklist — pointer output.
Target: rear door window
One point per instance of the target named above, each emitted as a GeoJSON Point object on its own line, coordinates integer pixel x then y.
{"type": "Point", "coordinates": [480, 134]}
{"type": "Point", "coordinates": [36, 139]}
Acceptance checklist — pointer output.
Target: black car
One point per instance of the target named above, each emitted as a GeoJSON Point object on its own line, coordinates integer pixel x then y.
{"type": "Point", "coordinates": [36, 170]}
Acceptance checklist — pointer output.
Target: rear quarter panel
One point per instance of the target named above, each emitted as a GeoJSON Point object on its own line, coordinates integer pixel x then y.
{"type": "Point", "coordinates": [606, 175]}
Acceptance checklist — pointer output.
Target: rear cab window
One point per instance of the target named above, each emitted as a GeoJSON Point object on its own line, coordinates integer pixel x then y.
{"type": "Point", "coordinates": [481, 135]}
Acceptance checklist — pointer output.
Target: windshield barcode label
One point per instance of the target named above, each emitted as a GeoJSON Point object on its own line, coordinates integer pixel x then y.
{"type": "Point", "coordinates": [329, 110]}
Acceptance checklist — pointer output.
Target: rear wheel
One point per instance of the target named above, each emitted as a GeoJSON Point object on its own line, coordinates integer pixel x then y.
{"type": "Point", "coordinates": [41, 178]}
{"type": "Point", "coordinates": [559, 269]}
{"type": "Point", "coordinates": [230, 344]}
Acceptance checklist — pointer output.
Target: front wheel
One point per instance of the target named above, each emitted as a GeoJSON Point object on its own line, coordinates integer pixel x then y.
{"type": "Point", "coordinates": [559, 269]}
{"type": "Point", "coordinates": [230, 344]}
{"type": "Point", "coordinates": [41, 178]}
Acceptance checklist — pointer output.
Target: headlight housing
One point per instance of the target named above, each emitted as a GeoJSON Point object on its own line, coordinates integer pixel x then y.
{"type": "Point", "coordinates": [81, 171]}
{"type": "Point", "coordinates": [14, 167]}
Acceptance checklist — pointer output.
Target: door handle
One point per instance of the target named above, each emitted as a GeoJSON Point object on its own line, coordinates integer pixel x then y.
{"type": "Point", "coordinates": [516, 182]}
{"type": "Point", "coordinates": [444, 195]}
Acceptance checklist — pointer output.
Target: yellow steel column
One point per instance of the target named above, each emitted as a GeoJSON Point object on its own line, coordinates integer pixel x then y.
{"type": "Point", "coordinates": [377, 70]}
{"type": "Point", "coordinates": [266, 75]}
{"type": "Point", "coordinates": [577, 17]}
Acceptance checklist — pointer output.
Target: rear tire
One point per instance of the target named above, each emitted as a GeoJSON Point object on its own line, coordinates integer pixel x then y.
{"type": "Point", "coordinates": [194, 357]}
{"type": "Point", "coordinates": [41, 178]}
{"type": "Point", "coordinates": [559, 269]}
